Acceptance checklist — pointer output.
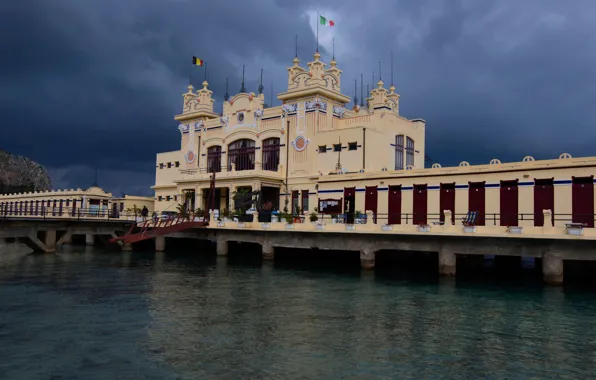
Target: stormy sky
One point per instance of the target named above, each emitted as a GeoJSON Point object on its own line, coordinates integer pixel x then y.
{"type": "Point", "coordinates": [88, 84]}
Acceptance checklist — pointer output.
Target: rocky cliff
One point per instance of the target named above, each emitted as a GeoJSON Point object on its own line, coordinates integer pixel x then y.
{"type": "Point", "coordinates": [20, 174]}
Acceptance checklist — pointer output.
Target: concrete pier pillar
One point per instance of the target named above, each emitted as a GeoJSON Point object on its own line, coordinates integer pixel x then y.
{"type": "Point", "coordinates": [67, 238]}
{"type": "Point", "coordinates": [268, 251]}
{"type": "Point", "coordinates": [367, 259]}
{"type": "Point", "coordinates": [160, 243]}
{"type": "Point", "coordinates": [552, 269]}
{"type": "Point", "coordinates": [127, 247]}
{"type": "Point", "coordinates": [447, 263]}
{"type": "Point", "coordinates": [50, 239]}
{"type": "Point", "coordinates": [89, 239]}
{"type": "Point", "coordinates": [222, 248]}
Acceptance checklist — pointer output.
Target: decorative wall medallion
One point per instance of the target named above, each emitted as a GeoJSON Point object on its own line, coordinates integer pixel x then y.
{"type": "Point", "coordinates": [300, 143]}
{"type": "Point", "coordinates": [240, 117]}
{"type": "Point", "coordinates": [183, 128]}
{"type": "Point", "coordinates": [259, 114]}
{"type": "Point", "coordinates": [339, 111]}
{"type": "Point", "coordinates": [224, 120]}
{"type": "Point", "coordinates": [190, 156]}
{"type": "Point", "coordinates": [289, 108]}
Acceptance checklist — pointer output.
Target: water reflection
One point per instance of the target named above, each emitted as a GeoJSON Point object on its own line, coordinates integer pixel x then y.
{"type": "Point", "coordinates": [189, 316]}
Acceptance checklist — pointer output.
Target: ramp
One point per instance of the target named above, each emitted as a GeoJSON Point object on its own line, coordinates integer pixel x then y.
{"type": "Point", "coordinates": [150, 228]}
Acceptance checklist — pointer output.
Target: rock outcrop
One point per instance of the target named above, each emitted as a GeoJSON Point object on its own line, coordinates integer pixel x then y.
{"type": "Point", "coordinates": [19, 174]}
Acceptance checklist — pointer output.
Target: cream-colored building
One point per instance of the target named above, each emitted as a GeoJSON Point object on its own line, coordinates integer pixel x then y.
{"type": "Point", "coordinates": [318, 150]}
{"type": "Point", "coordinates": [92, 202]}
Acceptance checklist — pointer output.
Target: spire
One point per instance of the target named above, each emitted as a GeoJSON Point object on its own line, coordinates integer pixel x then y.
{"type": "Point", "coordinates": [380, 74]}
{"type": "Point", "coordinates": [261, 85]}
{"type": "Point", "coordinates": [333, 49]}
{"type": "Point", "coordinates": [205, 72]}
{"type": "Point", "coordinates": [367, 90]}
{"type": "Point", "coordinates": [361, 91]}
{"type": "Point", "coordinates": [355, 92]}
{"type": "Point", "coordinates": [226, 95]}
{"type": "Point", "coordinates": [242, 89]}
{"type": "Point", "coordinates": [95, 184]}
{"type": "Point", "coordinates": [271, 96]}
{"type": "Point", "coordinates": [296, 54]}
{"type": "Point", "coordinates": [391, 69]}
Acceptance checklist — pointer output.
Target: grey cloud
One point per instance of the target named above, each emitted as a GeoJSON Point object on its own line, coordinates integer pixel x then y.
{"type": "Point", "coordinates": [97, 83]}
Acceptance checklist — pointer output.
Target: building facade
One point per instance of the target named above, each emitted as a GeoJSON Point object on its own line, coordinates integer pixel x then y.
{"type": "Point", "coordinates": [319, 153]}
{"type": "Point", "coordinates": [91, 202]}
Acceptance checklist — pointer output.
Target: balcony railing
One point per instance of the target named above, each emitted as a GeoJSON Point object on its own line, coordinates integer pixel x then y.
{"type": "Point", "coordinates": [263, 168]}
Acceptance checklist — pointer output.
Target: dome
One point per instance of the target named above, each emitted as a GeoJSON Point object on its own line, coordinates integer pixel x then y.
{"type": "Point", "coordinates": [95, 189]}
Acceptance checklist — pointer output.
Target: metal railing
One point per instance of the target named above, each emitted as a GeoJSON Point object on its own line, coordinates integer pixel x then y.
{"type": "Point", "coordinates": [219, 169]}
{"type": "Point", "coordinates": [483, 219]}
{"type": "Point", "coordinates": [76, 213]}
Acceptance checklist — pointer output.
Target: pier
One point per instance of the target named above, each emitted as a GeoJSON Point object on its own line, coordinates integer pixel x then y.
{"type": "Point", "coordinates": [551, 243]}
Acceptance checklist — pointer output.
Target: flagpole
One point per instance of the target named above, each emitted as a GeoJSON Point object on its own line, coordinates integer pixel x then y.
{"type": "Point", "coordinates": [318, 22]}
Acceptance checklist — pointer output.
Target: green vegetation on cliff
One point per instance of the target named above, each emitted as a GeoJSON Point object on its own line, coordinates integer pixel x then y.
{"type": "Point", "coordinates": [19, 174]}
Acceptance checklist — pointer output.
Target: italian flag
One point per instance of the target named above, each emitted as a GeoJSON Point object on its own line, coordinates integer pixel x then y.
{"type": "Point", "coordinates": [324, 21]}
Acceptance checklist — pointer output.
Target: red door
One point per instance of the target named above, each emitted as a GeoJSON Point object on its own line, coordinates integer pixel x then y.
{"type": "Point", "coordinates": [370, 201]}
{"type": "Point", "coordinates": [544, 199]}
{"type": "Point", "coordinates": [509, 203]}
{"type": "Point", "coordinates": [420, 204]}
{"type": "Point", "coordinates": [394, 209]}
{"type": "Point", "coordinates": [582, 200]}
{"type": "Point", "coordinates": [476, 201]}
{"type": "Point", "coordinates": [447, 200]}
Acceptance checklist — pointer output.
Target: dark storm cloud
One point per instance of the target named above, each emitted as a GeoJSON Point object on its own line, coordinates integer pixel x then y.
{"type": "Point", "coordinates": [88, 84]}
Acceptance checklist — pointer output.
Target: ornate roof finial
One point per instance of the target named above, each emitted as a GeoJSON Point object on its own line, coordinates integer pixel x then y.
{"type": "Point", "coordinates": [361, 91]}
{"type": "Point", "coordinates": [261, 85]}
{"type": "Point", "coordinates": [242, 89]}
{"type": "Point", "coordinates": [355, 92]}
{"type": "Point", "coordinates": [226, 95]}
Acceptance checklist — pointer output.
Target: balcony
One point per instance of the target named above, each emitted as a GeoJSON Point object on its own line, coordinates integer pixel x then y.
{"type": "Point", "coordinates": [229, 171]}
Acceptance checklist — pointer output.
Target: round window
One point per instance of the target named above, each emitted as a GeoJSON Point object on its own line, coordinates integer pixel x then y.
{"type": "Point", "coordinates": [241, 117]}
{"type": "Point", "coordinates": [300, 143]}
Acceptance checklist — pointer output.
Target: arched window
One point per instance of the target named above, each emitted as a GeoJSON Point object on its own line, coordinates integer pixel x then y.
{"type": "Point", "coordinates": [271, 154]}
{"type": "Point", "coordinates": [409, 152]}
{"type": "Point", "coordinates": [241, 153]}
{"type": "Point", "coordinates": [214, 159]}
{"type": "Point", "coordinates": [399, 152]}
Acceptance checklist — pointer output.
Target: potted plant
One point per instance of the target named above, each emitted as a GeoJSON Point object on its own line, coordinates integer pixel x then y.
{"type": "Point", "coordinates": [333, 218]}
{"type": "Point", "coordinates": [274, 216]}
{"type": "Point", "coordinates": [423, 227]}
{"type": "Point", "coordinates": [225, 214]}
{"type": "Point", "coordinates": [289, 221]}
{"type": "Point", "coordinates": [199, 213]}
{"type": "Point", "coordinates": [357, 217]}
{"type": "Point", "coordinates": [296, 215]}
{"type": "Point", "coordinates": [313, 217]}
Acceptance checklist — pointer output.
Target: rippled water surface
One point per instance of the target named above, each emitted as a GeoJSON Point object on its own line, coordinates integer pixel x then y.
{"type": "Point", "coordinates": [89, 314]}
